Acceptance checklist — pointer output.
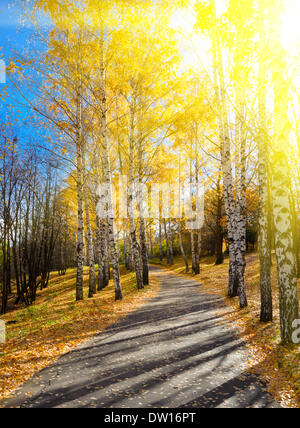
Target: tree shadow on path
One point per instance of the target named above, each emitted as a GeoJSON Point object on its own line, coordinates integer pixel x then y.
{"type": "Point", "coordinates": [176, 351]}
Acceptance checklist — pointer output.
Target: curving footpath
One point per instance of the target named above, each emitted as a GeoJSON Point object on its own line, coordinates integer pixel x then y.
{"type": "Point", "coordinates": [174, 352]}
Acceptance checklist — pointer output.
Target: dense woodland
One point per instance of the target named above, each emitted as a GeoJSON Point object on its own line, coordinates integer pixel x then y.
{"type": "Point", "coordinates": [106, 82]}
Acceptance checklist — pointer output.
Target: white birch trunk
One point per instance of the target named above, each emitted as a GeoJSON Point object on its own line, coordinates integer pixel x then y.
{"type": "Point", "coordinates": [180, 222]}
{"type": "Point", "coordinates": [132, 225]}
{"type": "Point", "coordinates": [167, 242]}
{"type": "Point", "coordinates": [107, 178]}
{"type": "Point", "coordinates": [80, 227]}
{"type": "Point", "coordinates": [91, 255]}
{"type": "Point", "coordinates": [160, 241]}
{"type": "Point", "coordinates": [236, 264]}
{"type": "Point", "coordinates": [286, 263]}
{"type": "Point", "coordinates": [170, 239]}
{"type": "Point", "coordinates": [264, 239]}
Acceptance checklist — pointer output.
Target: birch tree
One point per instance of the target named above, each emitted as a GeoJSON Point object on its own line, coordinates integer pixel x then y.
{"type": "Point", "coordinates": [286, 263]}
{"type": "Point", "coordinates": [264, 180]}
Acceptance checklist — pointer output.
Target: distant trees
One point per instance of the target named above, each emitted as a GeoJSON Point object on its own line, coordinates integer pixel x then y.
{"type": "Point", "coordinates": [30, 222]}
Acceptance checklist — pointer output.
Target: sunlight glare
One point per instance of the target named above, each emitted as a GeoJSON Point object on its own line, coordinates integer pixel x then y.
{"type": "Point", "coordinates": [291, 27]}
{"type": "Point", "coordinates": [194, 48]}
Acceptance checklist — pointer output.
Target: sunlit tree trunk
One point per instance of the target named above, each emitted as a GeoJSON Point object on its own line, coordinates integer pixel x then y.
{"type": "Point", "coordinates": [131, 254]}
{"type": "Point", "coordinates": [219, 229]}
{"type": "Point", "coordinates": [144, 251]}
{"type": "Point", "coordinates": [143, 238]}
{"type": "Point", "coordinates": [167, 241]}
{"type": "Point", "coordinates": [240, 166]}
{"type": "Point", "coordinates": [80, 228]}
{"type": "Point", "coordinates": [194, 249]}
{"type": "Point", "coordinates": [91, 256]}
{"type": "Point", "coordinates": [199, 246]}
{"type": "Point", "coordinates": [151, 242]}
{"type": "Point", "coordinates": [187, 268]}
{"type": "Point", "coordinates": [198, 234]}
{"type": "Point", "coordinates": [107, 178]}
{"type": "Point", "coordinates": [126, 246]}
{"type": "Point", "coordinates": [160, 241]}
{"type": "Point", "coordinates": [132, 224]}
{"type": "Point", "coordinates": [100, 258]}
{"type": "Point", "coordinates": [102, 234]}
{"type": "Point", "coordinates": [183, 253]}
{"type": "Point", "coordinates": [236, 264]}
{"type": "Point", "coordinates": [264, 239]}
{"type": "Point", "coordinates": [170, 239]}
{"type": "Point", "coordinates": [193, 252]}
{"type": "Point", "coordinates": [241, 213]}
{"type": "Point", "coordinates": [286, 263]}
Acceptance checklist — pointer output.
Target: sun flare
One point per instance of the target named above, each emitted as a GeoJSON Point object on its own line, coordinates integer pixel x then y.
{"type": "Point", "coordinates": [291, 27]}
{"type": "Point", "coordinates": [195, 48]}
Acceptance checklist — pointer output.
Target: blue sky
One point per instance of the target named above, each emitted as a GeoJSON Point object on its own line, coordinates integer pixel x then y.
{"type": "Point", "coordinates": [10, 32]}
{"type": "Point", "coordinates": [14, 39]}
{"type": "Point", "coordinates": [9, 13]}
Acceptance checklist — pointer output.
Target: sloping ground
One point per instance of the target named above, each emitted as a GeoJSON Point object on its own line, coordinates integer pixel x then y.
{"type": "Point", "coordinates": [176, 351]}
{"type": "Point", "coordinates": [56, 324]}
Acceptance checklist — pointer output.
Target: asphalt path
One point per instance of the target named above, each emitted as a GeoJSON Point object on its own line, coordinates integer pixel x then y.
{"type": "Point", "coordinates": [174, 352]}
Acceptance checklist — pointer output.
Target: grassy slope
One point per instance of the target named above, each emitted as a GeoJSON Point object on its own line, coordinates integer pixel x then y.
{"type": "Point", "coordinates": [57, 324]}
{"type": "Point", "coordinates": [278, 366]}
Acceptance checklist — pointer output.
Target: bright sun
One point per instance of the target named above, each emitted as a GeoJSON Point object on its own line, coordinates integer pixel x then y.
{"type": "Point", "coordinates": [291, 27]}
{"type": "Point", "coordinates": [195, 49]}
